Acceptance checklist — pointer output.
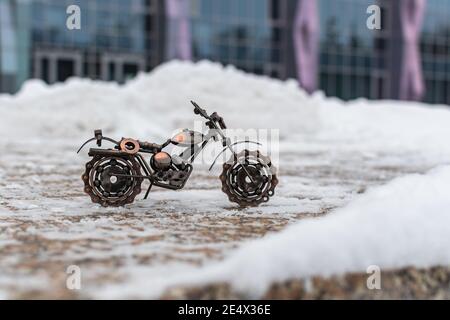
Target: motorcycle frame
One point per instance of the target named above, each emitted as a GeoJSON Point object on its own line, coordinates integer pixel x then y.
{"type": "Point", "coordinates": [189, 154]}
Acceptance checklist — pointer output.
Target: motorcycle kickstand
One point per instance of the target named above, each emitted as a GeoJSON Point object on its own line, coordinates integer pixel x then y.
{"type": "Point", "coordinates": [148, 190]}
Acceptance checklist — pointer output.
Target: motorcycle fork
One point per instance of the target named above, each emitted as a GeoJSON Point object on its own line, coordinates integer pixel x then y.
{"type": "Point", "coordinates": [195, 150]}
{"type": "Point", "coordinates": [190, 153]}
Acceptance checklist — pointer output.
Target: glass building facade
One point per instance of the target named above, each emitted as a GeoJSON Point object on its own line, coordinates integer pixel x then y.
{"type": "Point", "coordinates": [252, 35]}
{"type": "Point", "coordinates": [119, 38]}
{"type": "Point", "coordinates": [355, 61]}
{"type": "Point", "coordinates": [11, 70]}
{"type": "Point", "coordinates": [351, 56]}
{"type": "Point", "coordinates": [257, 35]}
{"type": "Point", "coordinates": [435, 51]}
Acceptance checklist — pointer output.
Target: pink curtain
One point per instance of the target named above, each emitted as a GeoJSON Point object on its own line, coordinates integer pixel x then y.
{"type": "Point", "coordinates": [306, 43]}
{"type": "Point", "coordinates": [407, 75]}
{"type": "Point", "coordinates": [178, 33]}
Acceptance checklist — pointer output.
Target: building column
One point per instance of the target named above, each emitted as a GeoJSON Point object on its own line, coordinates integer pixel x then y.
{"type": "Point", "coordinates": [8, 48]}
{"type": "Point", "coordinates": [306, 43]}
{"type": "Point", "coordinates": [178, 39]}
{"type": "Point", "coordinates": [406, 70]}
{"type": "Point", "coordinates": [24, 9]}
{"type": "Point", "coordinates": [52, 68]}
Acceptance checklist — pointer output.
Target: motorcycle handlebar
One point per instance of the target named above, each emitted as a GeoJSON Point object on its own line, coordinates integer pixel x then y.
{"type": "Point", "coordinates": [216, 118]}
{"type": "Point", "coordinates": [213, 117]}
{"type": "Point", "coordinates": [200, 111]}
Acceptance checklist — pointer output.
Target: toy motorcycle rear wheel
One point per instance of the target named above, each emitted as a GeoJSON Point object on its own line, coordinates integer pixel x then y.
{"type": "Point", "coordinates": [106, 180]}
{"type": "Point", "coordinates": [249, 178]}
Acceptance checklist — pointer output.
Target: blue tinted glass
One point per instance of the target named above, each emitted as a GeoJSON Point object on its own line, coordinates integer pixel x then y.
{"type": "Point", "coordinates": [104, 23]}
{"type": "Point", "coordinates": [233, 31]}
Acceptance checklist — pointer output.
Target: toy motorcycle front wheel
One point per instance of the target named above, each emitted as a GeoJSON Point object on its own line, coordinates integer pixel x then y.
{"type": "Point", "coordinates": [249, 178]}
{"type": "Point", "coordinates": [106, 180]}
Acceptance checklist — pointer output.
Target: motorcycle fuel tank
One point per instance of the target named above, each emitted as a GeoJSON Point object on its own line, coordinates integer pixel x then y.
{"type": "Point", "coordinates": [187, 138]}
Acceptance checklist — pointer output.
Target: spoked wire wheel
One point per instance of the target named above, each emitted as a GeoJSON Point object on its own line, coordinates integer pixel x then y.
{"type": "Point", "coordinates": [105, 183]}
{"type": "Point", "coordinates": [249, 179]}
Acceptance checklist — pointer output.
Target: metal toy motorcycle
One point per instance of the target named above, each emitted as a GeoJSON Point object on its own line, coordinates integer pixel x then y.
{"type": "Point", "coordinates": [114, 176]}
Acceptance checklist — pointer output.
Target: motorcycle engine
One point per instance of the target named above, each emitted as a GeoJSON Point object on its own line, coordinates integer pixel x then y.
{"type": "Point", "coordinates": [161, 161]}
{"type": "Point", "coordinates": [170, 170]}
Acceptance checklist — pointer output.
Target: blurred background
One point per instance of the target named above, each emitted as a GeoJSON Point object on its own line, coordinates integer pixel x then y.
{"type": "Point", "coordinates": [324, 44]}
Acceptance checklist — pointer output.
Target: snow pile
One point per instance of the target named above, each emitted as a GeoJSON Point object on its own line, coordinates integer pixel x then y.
{"type": "Point", "coordinates": [388, 126]}
{"type": "Point", "coordinates": [153, 105]}
{"type": "Point", "coordinates": [404, 223]}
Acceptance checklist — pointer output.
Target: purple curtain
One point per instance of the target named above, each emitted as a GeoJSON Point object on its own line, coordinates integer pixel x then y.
{"type": "Point", "coordinates": [407, 78]}
{"type": "Point", "coordinates": [306, 43]}
{"type": "Point", "coordinates": [178, 30]}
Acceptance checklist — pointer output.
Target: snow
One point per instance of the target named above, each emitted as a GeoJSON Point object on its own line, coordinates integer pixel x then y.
{"type": "Point", "coordinates": [147, 107]}
{"type": "Point", "coordinates": [330, 152]}
{"type": "Point", "coordinates": [404, 223]}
